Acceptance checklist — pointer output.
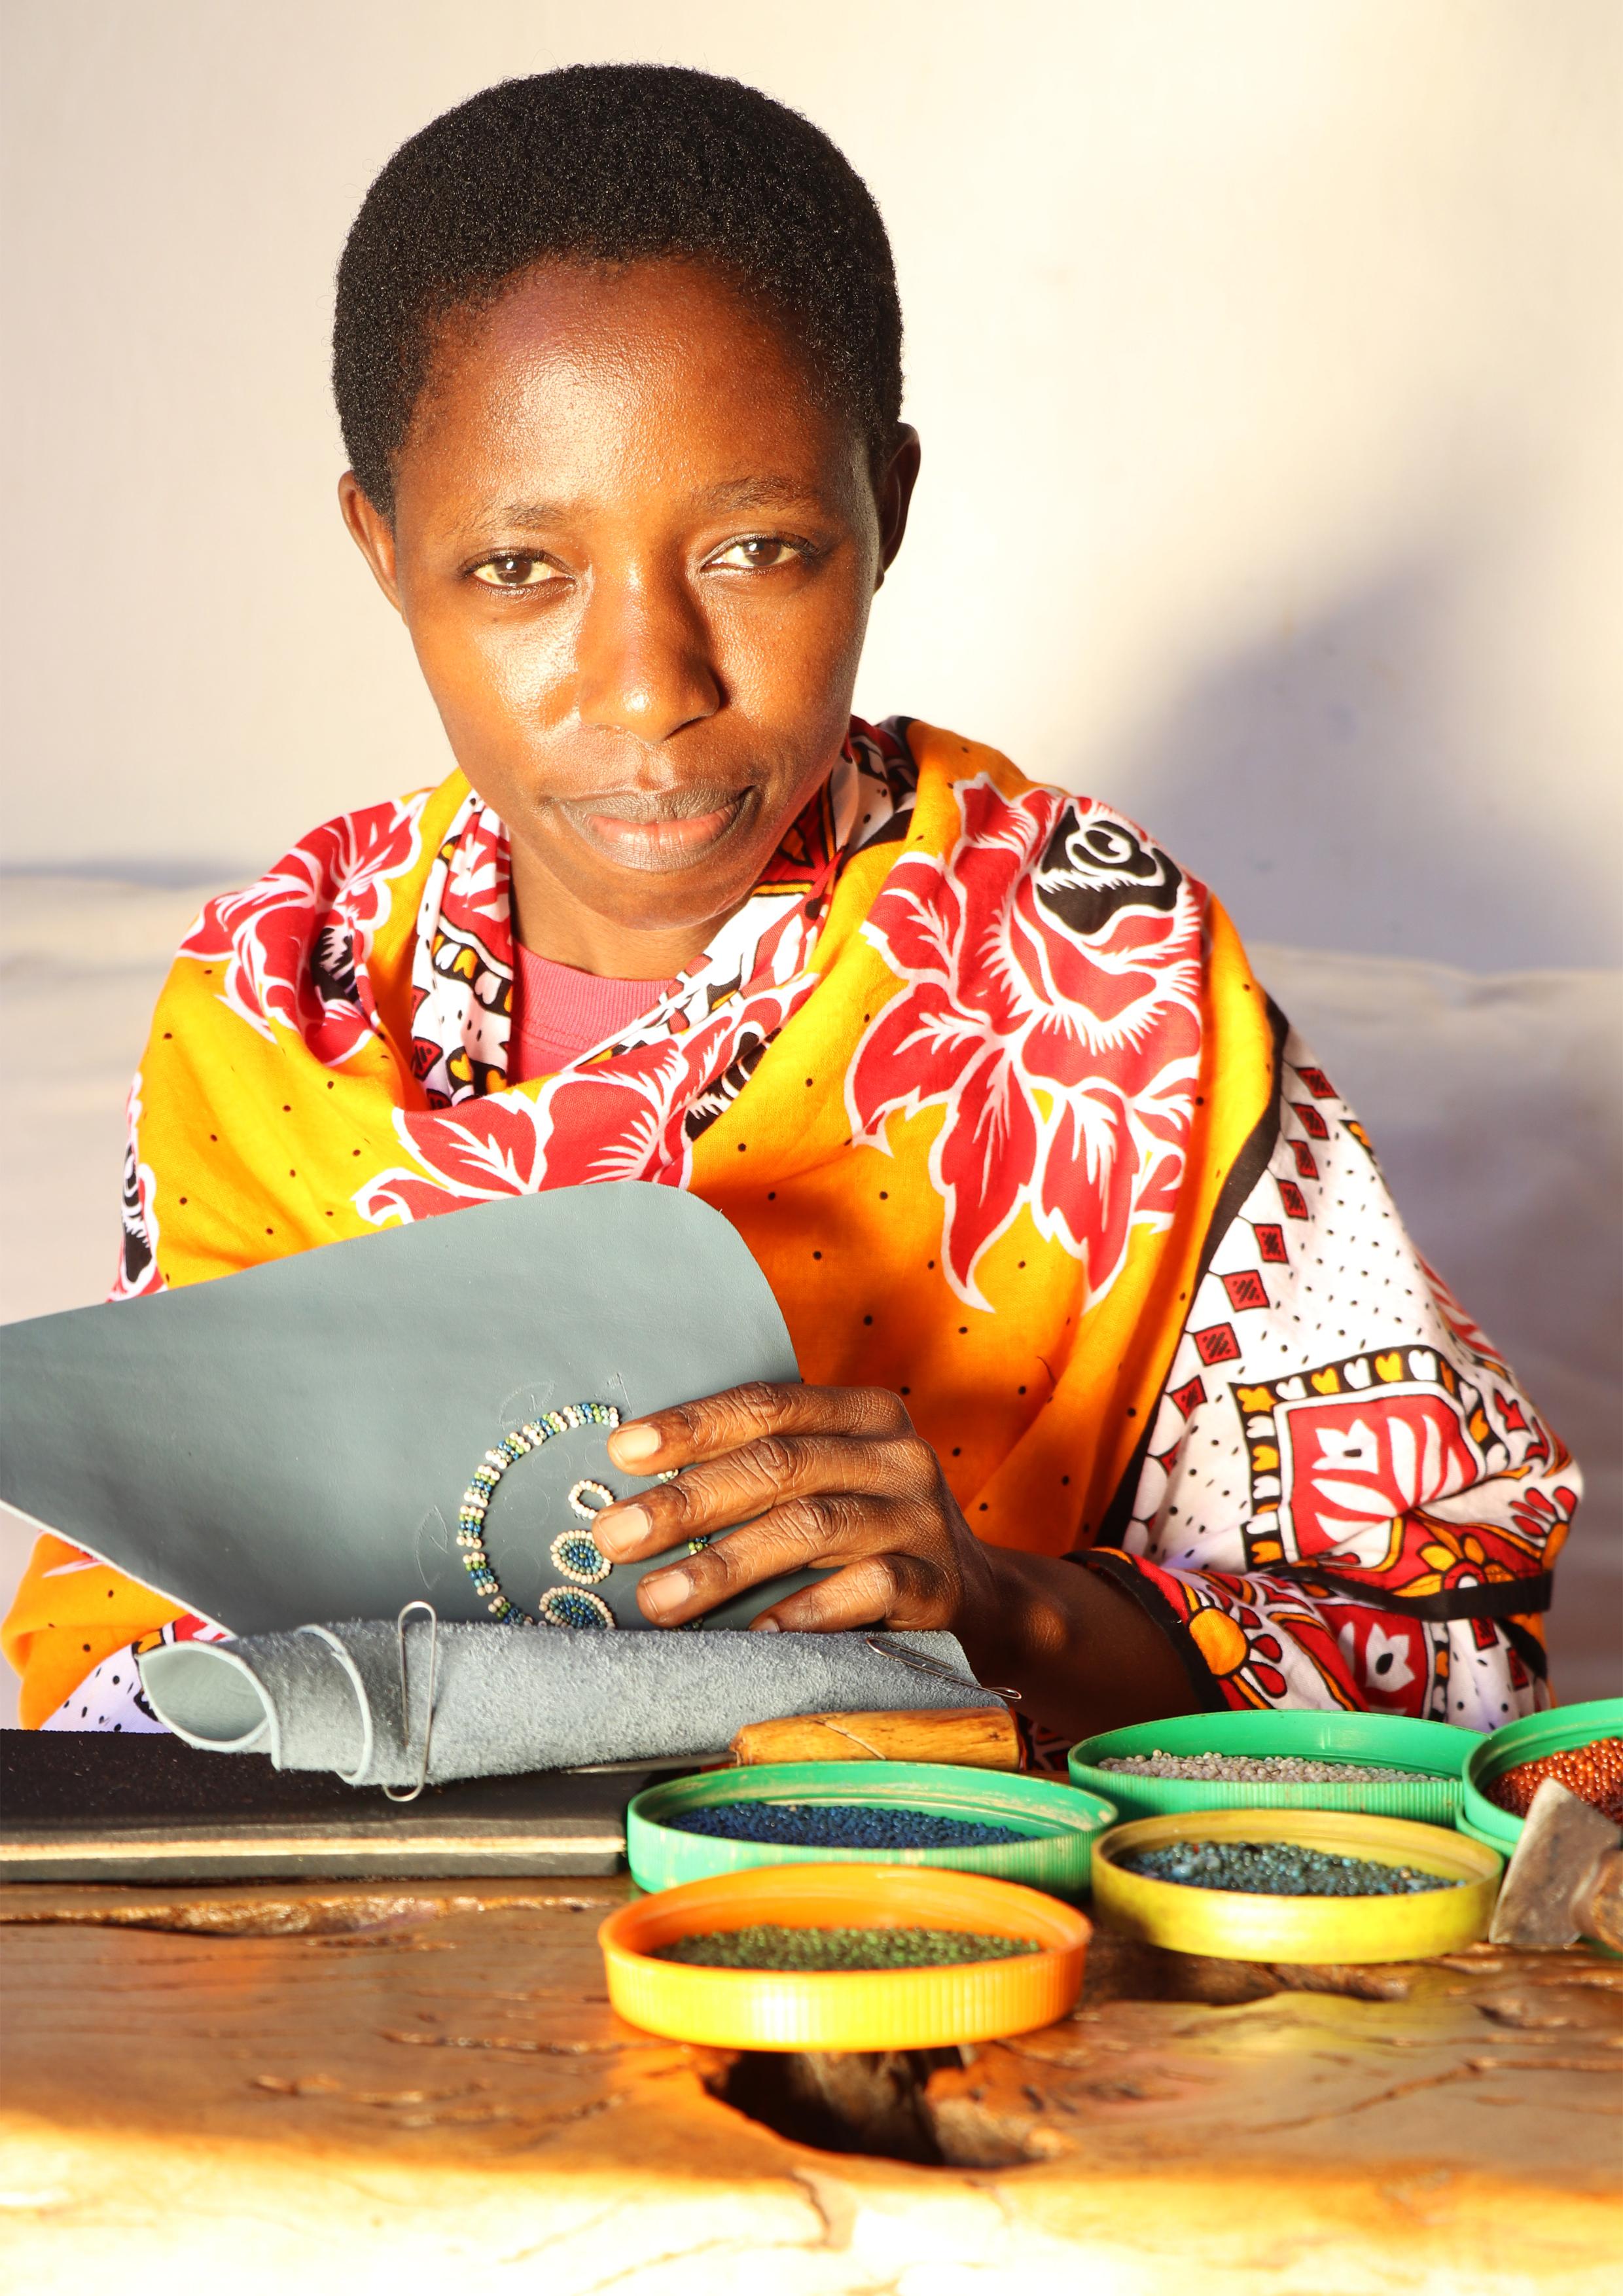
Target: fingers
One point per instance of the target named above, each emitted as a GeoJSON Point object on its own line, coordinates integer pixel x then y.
{"type": "Point", "coordinates": [880, 1590]}
{"type": "Point", "coordinates": [815, 1477]}
{"type": "Point", "coordinates": [718, 1423]}
{"type": "Point", "coordinates": [766, 1473]}
{"type": "Point", "coordinates": [804, 1534]}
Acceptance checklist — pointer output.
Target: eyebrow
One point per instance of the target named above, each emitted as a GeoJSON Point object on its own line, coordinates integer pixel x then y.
{"type": "Point", "coordinates": [759, 493]}
{"type": "Point", "coordinates": [744, 494]}
{"type": "Point", "coordinates": [523, 513]}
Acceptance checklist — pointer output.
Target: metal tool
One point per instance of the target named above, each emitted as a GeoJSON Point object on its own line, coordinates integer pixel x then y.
{"type": "Point", "coordinates": [935, 1669]}
{"type": "Point", "coordinates": [1566, 1878]}
{"type": "Point", "coordinates": [410, 1794]}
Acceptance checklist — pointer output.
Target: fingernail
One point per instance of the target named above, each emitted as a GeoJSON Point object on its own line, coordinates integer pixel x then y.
{"type": "Point", "coordinates": [624, 1524]}
{"type": "Point", "coordinates": [765, 1627]}
{"type": "Point", "coordinates": [666, 1590]}
{"type": "Point", "coordinates": [628, 1445]}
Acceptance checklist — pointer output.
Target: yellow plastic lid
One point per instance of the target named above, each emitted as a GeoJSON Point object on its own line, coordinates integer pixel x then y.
{"type": "Point", "coordinates": [1239, 1926]}
{"type": "Point", "coordinates": [845, 2009]}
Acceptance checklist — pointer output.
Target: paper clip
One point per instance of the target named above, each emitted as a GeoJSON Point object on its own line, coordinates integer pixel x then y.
{"type": "Point", "coordinates": [937, 1669]}
{"type": "Point", "coordinates": [410, 1794]}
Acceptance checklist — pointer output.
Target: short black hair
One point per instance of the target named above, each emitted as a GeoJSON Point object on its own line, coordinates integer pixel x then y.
{"type": "Point", "coordinates": [612, 163]}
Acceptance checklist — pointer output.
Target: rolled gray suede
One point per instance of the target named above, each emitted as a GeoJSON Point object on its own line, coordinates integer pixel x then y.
{"type": "Point", "coordinates": [508, 1700]}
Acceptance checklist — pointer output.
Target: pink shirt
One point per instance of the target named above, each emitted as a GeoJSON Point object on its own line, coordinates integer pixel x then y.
{"type": "Point", "coordinates": [558, 1013]}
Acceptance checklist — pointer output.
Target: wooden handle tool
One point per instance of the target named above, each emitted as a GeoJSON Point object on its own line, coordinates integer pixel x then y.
{"type": "Point", "coordinates": [978, 1737]}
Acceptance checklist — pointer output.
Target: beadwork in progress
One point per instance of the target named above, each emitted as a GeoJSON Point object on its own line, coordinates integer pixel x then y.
{"type": "Point", "coordinates": [1277, 1869]}
{"type": "Point", "coordinates": [576, 1555]}
{"type": "Point", "coordinates": [560, 1606]}
{"type": "Point", "coordinates": [774, 1944]}
{"type": "Point", "coordinates": [1594, 1773]}
{"type": "Point", "coordinates": [1256, 1769]}
{"type": "Point", "coordinates": [840, 1825]}
{"type": "Point", "coordinates": [574, 1606]}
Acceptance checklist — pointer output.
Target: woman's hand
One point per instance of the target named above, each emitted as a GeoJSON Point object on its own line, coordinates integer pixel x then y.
{"type": "Point", "coordinates": [834, 1478]}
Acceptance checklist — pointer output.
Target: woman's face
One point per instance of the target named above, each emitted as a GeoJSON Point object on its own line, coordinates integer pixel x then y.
{"type": "Point", "coordinates": [635, 557]}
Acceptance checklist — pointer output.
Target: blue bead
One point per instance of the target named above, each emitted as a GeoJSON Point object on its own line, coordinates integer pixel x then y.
{"type": "Point", "coordinates": [841, 1825]}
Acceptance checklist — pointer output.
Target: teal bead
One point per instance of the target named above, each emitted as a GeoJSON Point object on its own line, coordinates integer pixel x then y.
{"type": "Point", "coordinates": [570, 1606]}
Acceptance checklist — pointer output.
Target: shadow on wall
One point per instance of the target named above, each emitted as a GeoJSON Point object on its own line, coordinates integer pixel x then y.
{"type": "Point", "coordinates": [1322, 784]}
{"type": "Point", "coordinates": [1496, 1105]}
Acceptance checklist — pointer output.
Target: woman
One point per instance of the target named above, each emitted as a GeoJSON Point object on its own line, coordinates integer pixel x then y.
{"type": "Point", "coordinates": [1118, 1363]}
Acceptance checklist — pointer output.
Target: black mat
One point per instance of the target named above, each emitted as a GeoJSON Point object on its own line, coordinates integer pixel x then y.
{"type": "Point", "coordinates": [100, 1805]}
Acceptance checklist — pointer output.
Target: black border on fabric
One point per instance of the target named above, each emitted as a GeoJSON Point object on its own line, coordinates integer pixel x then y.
{"type": "Point", "coordinates": [1502, 1598]}
{"type": "Point", "coordinates": [1247, 1169]}
{"type": "Point", "coordinates": [895, 832]}
{"type": "Point", "coordinates": [1528, 1648]}
{"type": "Point", "coordinates": [1111, 1563]}
{"type": "Point", "coordinates": [899, 826]}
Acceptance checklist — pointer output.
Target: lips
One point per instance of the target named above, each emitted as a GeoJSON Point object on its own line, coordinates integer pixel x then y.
{"type": "Point", "coordinates": [656, 829]}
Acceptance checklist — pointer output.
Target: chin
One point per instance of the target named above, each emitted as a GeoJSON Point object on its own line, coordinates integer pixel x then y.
{"type": "Point", "coordinates": [661, 900]}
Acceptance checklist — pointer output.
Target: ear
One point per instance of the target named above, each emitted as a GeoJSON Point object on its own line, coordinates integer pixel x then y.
{"type": "Point", "coordinates": [373, 535]}
{"type": "Point", "coordinates": [894, 491]}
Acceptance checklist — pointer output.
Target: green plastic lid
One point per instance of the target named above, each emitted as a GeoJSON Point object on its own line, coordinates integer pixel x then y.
{"type": "Point", "coordinates": [1535, 1734]}
{"type": "Point", "coordinates": [1371, 1741]}
{"type": "Point", "coordinates": [1059, 1825]}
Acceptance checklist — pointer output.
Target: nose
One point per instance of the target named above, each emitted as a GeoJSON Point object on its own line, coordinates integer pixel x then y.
{"type": "Point", "coordinates": [644, 664]}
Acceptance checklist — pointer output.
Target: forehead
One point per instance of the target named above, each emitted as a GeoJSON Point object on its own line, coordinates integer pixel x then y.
{"type": "Point", "coordinates": [582, 378]}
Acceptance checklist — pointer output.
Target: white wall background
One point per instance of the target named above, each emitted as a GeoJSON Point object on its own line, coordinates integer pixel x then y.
{"type": "Point", "coordinates": [1268, 358]}
{"type": "Point", "coordinates": [1263, 353]}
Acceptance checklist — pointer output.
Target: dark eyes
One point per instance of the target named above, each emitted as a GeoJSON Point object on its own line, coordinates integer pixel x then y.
{"type": "Point", "coordinates": [512, 570]}
{"type": "Point", "coordinates": [756, 553]}
{"type": "Point", "coordinates": [752, 554]}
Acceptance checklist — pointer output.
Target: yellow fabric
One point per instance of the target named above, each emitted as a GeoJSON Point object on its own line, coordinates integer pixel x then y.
{"type": "Point", "coordinates": [67, 1616]}
{"type": "Point", "coordinates": [256, 1148]}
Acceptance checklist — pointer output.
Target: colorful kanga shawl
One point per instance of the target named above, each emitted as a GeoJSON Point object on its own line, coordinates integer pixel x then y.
{"type": "Point", "coordinates": [985, 1082]}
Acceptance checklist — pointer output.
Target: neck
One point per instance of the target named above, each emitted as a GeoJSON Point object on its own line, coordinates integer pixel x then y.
{"type": "Point", "coordinates": [549, 919]}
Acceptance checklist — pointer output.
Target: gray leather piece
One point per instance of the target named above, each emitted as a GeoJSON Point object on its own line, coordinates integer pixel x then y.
{"type": "Point", "coordinates": [510, 1699]}
{"type": "Point", "coordinates": [293, 1442]}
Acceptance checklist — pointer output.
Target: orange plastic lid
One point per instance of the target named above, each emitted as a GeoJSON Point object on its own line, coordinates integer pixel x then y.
{"type": "Point", "coordinates": [845, 2009]}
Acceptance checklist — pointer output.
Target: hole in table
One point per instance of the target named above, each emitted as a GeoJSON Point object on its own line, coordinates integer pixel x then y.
{"type": "Point", "coordinates": [873, 2102]}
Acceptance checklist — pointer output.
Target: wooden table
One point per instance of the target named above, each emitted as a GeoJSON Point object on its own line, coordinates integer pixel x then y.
{"type": "Point", "coordinates": [299, 2087]}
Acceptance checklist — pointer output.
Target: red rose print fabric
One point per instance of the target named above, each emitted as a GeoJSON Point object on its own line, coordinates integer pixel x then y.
{"type": "Point", "coordinates": [958, 1051]}
{"type": "Point", "coordinates": [1059, 1032]}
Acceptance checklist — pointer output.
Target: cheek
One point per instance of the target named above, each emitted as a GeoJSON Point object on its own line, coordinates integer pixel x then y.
{"type": "Point", "coordinates": [798, 657]}
{"type": "Point", "coordinates": [488, 672]}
